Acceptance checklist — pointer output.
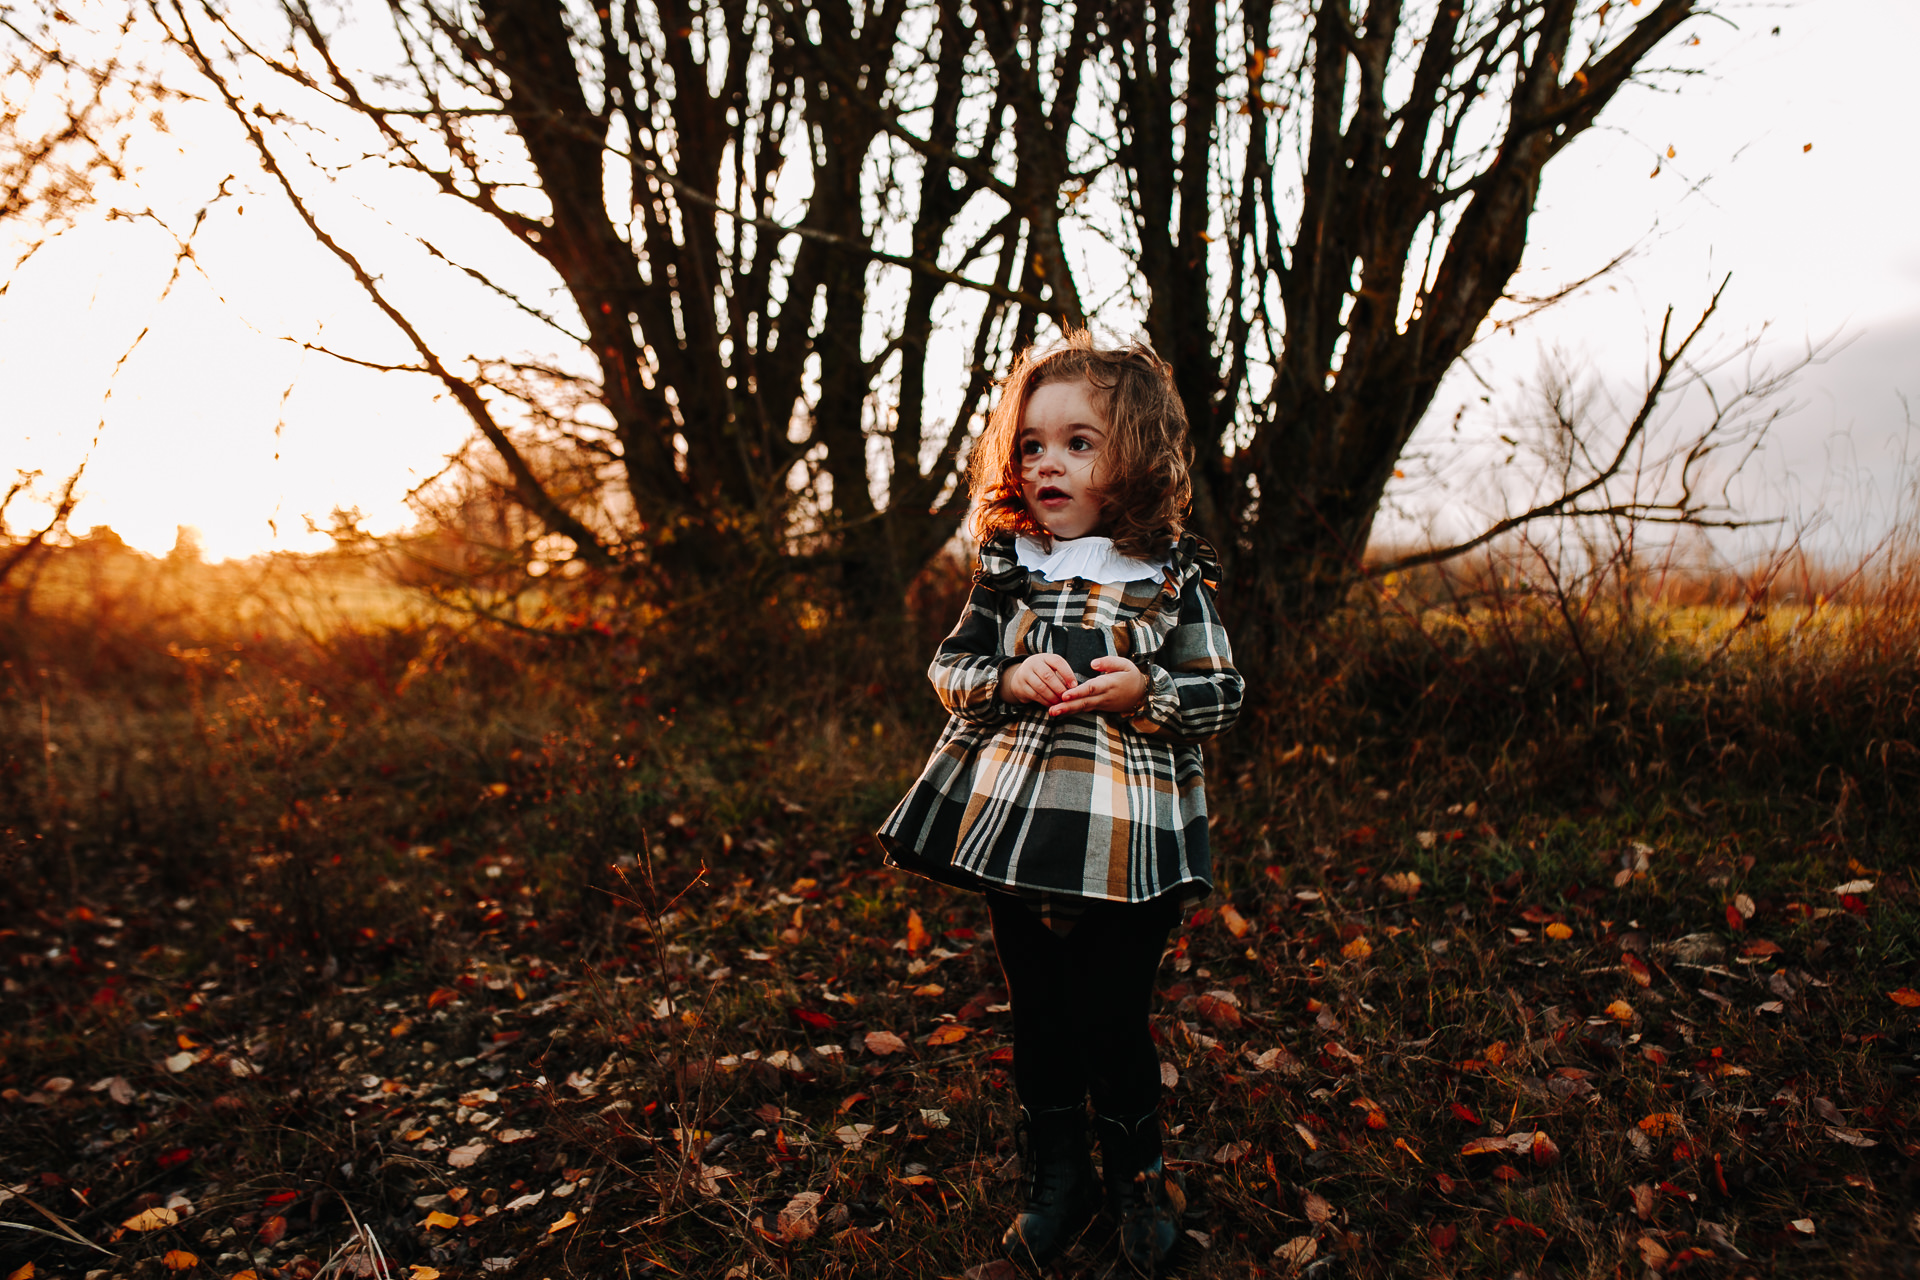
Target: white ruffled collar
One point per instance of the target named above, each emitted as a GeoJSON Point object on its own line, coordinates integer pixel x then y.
{"type": "Point", "coordinates": [1092, 558]}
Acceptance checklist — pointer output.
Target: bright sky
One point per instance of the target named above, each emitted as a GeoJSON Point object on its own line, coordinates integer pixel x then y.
{"type": "Point", "coordinates": [216, 422]}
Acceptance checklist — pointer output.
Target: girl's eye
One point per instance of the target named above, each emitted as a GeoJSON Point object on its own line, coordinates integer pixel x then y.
{"type": "Point", "coordinates": [1029, 447]}
{"type": "Point", "coordinates": [1080, 444]}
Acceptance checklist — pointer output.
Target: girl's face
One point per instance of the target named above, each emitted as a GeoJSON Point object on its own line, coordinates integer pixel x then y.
{"type": "Point", "coordinates": [1062, 441]}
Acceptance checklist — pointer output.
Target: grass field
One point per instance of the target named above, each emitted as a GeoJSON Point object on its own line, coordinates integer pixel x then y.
{"type": "Point", "coordinates": [1552, 939]}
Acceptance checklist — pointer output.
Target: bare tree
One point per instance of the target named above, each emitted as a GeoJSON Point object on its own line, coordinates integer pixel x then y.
{"type": "Point", "coordinates": [761, 223]}
{"type": "Point", "coordinates": [64, 126]}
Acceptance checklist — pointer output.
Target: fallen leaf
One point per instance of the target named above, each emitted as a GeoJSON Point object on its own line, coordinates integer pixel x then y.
{"type": "Point", "coordinates": [1297, 1252]}
{"type": "Point", "coordinates": [1661, 1123]}
{"type": "Point", "coordinates": [917, 936]}
{"type": "Point", "coordinates": [884, 1042]}
{"type": "Point", "coordinates": [1403, 882]}
{"type": "Point", "coordinates": [1854, 888]}
{"type": "Point", "coordinates": [1803, 1225]}
{"type": "Point", "coordinates": [1169, 1076]}
{"type": "Point", "coordinates": [179, 1260]}
{"type": "Point", "coordinates": [1905, 997]}
{"type": "Point", "coordinates": [1636, 968]}
{"type": "Point", "coordinates": [1559, 932]}
{"type": "Point", "coordinates": [1520, 1224]}
{"type": "Point", "coordinates": [564, 1221]}
{"type": "Point", "coordinates": [851, 1136]}
{"type": "Point", "coordinates": [272, 1229]}
{"type": "Point", "coordinates": [1358, 949]}
{"type": "Point", "coordinates": [947, 1033]}
{"type": "Point", "coordinates": [1236, 924]}
{"type": "Point", "coordinates": [442, 1220]}
{"type": "Point", "coordinates": [1232, 1153]}
{"type": "Point", "coordinates": [527, 1201]}
{"type": "Point", "coordinates": [23, 1272]}
{"type": "Point", "coordinates": [419, 1272]}
{"type": "Point", "coordinates": [151, 1219]}
{"type": "Point", "coordinates": [179, 1062]}
{"type": "Point", "coordinates": [1465, 1113]}
{"type": "Point", "coordinates": [1643, 1201]}
{"type": "Point", "coordinates": [1852, 1137]}
{"type": "Point", "coordinates": [1744, 905]}
{"type": "Point", "coordinates": [1318, 1211]}
{"type": "Point", "coordinates": [464, 1157]}
{"type": "Point", "coordinates": [1652, 1252]}
{"type": "Point", "coordinates": [801, 1218]}
{"type": "Point", "coordinates": [1217, 1011]}
{"type": "Point", "coordinates": [1545, 1151]}
{"type": "Point", "coordinates": [1620, 1011]}
{"type": "Point", "coordinates": [1278, 1060]}
{"type": "Point", "coordinates": [1443, 1236]}
{"type": "Point", "coordinates": [1306, 1136]}
{"type": "Point", "coordinates": [1485, 1147]}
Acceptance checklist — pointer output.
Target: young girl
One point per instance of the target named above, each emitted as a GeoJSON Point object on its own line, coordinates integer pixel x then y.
{"type": "Point", "coordinates": [1086, 669]}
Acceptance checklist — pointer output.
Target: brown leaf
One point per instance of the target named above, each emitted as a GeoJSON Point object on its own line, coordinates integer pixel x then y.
{"type": "Point", "coordinates": [884, 1042]}
{"type": "Point", "coordinates": [1637, 968]}
{"type": "Point", "coordinates": [1232, 1153]}
{"type": "Point", "coordinates": [947, 1033]}
{"type": "Point", "coordinates": [1217, 1011]}
{"type": "Point", "coordinates": [1643, 1201]}
{"type": "Point", "coordinates": [1318, 1211]}
{"type": "Point", "coordinates": [801, 1218]}
{"type": "Point", "coordinates": [1443, 1236]}
{"type": "Point", "coordinates": [1485, 1147]}
{"type": "Point", "coordinates": [1545, 1152]}
{"type": "Point", "coordinates": [1296, 1253]}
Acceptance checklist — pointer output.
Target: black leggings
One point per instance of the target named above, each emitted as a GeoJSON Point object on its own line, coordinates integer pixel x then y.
{"type": "Point", "coordinates": [1080, 1003]}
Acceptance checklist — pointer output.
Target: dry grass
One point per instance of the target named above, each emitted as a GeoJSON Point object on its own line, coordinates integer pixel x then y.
{"type": "Point", "coordinates": [340, 905]}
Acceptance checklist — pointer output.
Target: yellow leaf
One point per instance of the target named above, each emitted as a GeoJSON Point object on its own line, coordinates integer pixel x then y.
{"type": "Point", "coordinates": [251, 1274]}
{"type": "Point", "coordinates": [1620, 1011]}
{"type": "Point", "coordinates": [439, 1219]}
{"type": "Point", "coordinates": [1358, 949]}
{"type": "Point", "coordinates": [151, 1219]}
{"type": "Point", "coordinates": [419, 1273]}
{"type": "Point", "coordinates": [1407, 882]}
{"type": "Point", "coordinates": [566, 1220]}
{"type": "Point", "coordinates": [1559, 932]}
{"type": "Point", "coordinates": [1660, 1123]}
{"type": "Point", "coordinates": [950, 1033]}
{"type": "Point", "coordinates": [1671, 153]}
{"type": "Point", "coordinates": [179, 1260]}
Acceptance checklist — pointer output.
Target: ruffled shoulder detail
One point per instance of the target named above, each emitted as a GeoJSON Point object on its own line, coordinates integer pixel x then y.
{"type": "Point", "coordinates": [1092, 558]}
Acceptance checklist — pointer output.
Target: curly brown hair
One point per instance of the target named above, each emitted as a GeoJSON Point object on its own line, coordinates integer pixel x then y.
{"type": "Point", "coordinates": [1145, 488]}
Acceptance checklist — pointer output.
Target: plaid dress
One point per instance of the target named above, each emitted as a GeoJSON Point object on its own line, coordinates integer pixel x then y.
{"type": "Point", "coordinates": [1085, 806]}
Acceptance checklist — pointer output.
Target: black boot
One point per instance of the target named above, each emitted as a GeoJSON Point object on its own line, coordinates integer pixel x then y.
{"type": "Point", "coordinates": [1061, 1192]}
{"type": "Point", "coordinates": [1146, 1201]}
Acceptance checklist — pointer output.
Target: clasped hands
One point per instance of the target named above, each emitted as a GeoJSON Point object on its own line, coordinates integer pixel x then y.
{"type": "Point", "coordinates": [1046, 678]}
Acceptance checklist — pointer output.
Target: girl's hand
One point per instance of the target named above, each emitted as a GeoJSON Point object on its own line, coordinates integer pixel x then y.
{"type": "Point", "coordinates": [1121, 686]}
{"type": "Point", "coordinates": [1044, 678]}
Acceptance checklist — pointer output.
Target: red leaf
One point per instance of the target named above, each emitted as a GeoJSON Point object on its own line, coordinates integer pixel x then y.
{"type": "Point", "coordinates": [279, 1198]}
{"type": "Point", "coordinates": [1637, 968]}
{"type": "Point", "coordinates": [445, 995]}
{"type": "Point", "coordinates": [814, 1021]}
{"type": "Point", "coordinates": [1465, 1113]}
{"type": "Point", "coordinates": [1735, 920]}
{"type": "Point", "coordinates": [1519, 1224]}
{"type": "Point", "coordinates": [272, 1230]}
{"type": "Point", "coordinates": [175, 1158]}
{"type": "Point", "coordinates": [1443, 1236]}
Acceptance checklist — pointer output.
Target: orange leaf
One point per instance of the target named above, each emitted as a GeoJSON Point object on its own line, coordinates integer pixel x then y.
{"type": "Point", "coordinates": [179, 1260]}
{"type": "Point", "coordinates": [445, 995]}
{"type": "Point", "coordinates": [1464, 1113]}
{"type": "Point", "coordinates": [1637, 968]}
{"type": "Point", "coordinates": [565, 1220]}
{"type": "Point", "coordinates": [439, 1219]}
{"type": "Point", "coordinates": [1236, 923]}
{"type": "Point", "coordinates": [1519, 1225]}
{"type": "Point", "coordinates": [1620, 1011]}
{"type": "Point", "coordinates": [1905, 997]}
{"type": "Point", "coordinates": [151, 1219]}
{"type": "Point", "coordinates": [1217, 1011]}
{"type": "Point", "coordinates": [1358, 949]}
{"type": "Point", "coordinates": [884, 1042]}
{"type": "Point", "coordinates": [272, 1229]}
{"type": "Point", "coordinates": [948, 1033]}
{"type": "Point", "coordinates": [25, 1272]}
{"type": "Point", "coordinates": [1485, 1147]}
{"type": "Point", "coordinates": [917, 935]}
{"type": "Point", "coordinates": [1559, 932]}
{"type": "Point", "coordinates": [1660, 1123]}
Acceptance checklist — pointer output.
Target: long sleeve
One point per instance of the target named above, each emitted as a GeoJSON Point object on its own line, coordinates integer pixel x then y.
{"type": "Point", "coordinates": [966, 667]}
{"type": "Point", "coordinates": [1194, 691]}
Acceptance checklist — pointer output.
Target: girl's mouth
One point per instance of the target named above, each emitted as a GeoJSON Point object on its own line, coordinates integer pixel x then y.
{"type": "Point", "coordinates": [1051, 494]}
